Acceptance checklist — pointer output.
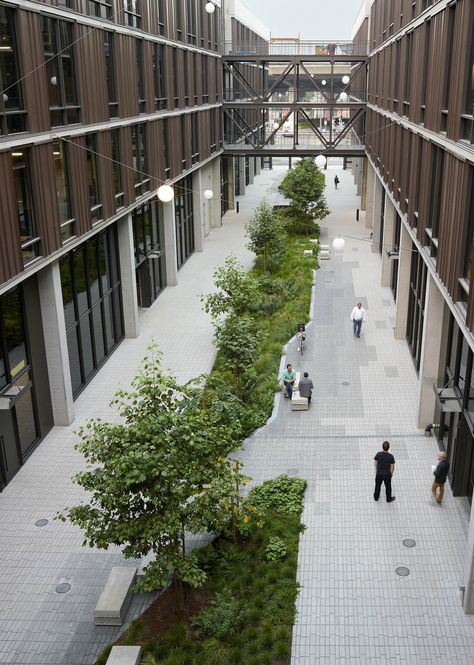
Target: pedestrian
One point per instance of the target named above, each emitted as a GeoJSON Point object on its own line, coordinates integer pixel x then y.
{"type": "Point", "coordinates": [306, 387]}
{"type": "Point", "coordinates": [357, 317]}
{"type": "Point", "coordinates": [440, 472]}
{"type": "Point", "coordinates": [289, 377]}
{"type": "Point", "coordinates": [384, 468]}
{"type": "Point", "coordinates": [336, 181]}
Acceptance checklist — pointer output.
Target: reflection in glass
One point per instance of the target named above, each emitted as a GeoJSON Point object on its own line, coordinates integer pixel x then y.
{"type": "Point", "coordinates": [58, 57]}
{"type": "Point", "coordinates": [62, 188]}
{"type": "Point", "coordinates": [24, 202]}
{"type": "Point", "coordinates": [80, 280]}
{"type": "Point", "coordinates": [86, 346]}
{"type": "Point", "coordinates": [118, 187]}
{"type": "Point", "coordinates": [11, 118]}
{"type": "Point", "coordinates": [74, 359]}
{"type": "Point", "coordinates": [92, 177]}
{"type": "Point", "coordinates": [14, 332]}
{"type": "Point", "coordinates": [26, 421]}
{"type": "Point", "coordinates": [67, 291]}
{"type": "Point", "coordinates": [92, 269]}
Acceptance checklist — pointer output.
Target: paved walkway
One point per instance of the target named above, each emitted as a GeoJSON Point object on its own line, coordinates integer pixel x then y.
{"type": "Point", "coordinates": [353, 608]}
{"type": "Point", "coordinates": [38, 625]}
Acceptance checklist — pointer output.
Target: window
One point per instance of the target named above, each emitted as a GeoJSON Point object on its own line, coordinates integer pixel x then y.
{"type": "Point", "coordinates": [175, 78]}
{"type": "Point", "coordinates": [132, 13]}
{"type": "Point", "coordinates": [141, 86]}
{"type": "Point", "coordinates": [437, 163]}
{"type": "Point", "coordinates": [63, 188]}
{"type": "Point", "coordinates": [159, 76]}
{"type": "Point", "coordinates": [196, 63]}
{"type": "Point", "coordinates": [184, 142]}
{"type": "Point", "coordinates": [214, 126]}
{"type": "Point", "coordinates": [142, 181]}
{"type": "Point", "coordinates": [426, 55]}
{"type": "Point", "coordinates": [25, 207]}
{"type": "Point", "coordinates": [178, 18]}
{"type": "Point", "coordinates": [205, 79]}
{"type": "Point", "coordinates": [416, 305]}
{"type": "Point", "coordinates": [469, 241]}
{"type": "Point", "coordinates": [447, 66]}
{"type": "Point", "coordinates": [186, 77]}
{"type": "Point", "coordinates": [467, 118]}
{"type": "Point", "coordinates": [110, 72]}
{"type": "Point", "coordinates": [58, 55]}
{"type": "Point", "coordinates": [93, 178]}
{"type": "Point", "coordinates": [161, 16]}
{"type": "Point", "coordinates": [407, 76]}
{"type": "Point", "coordinates": [195, 137]}
{"type": "Point", "coordinates": [92, 300]}
{"type": "Point", "coordinates": [148, 238]}
{"type": "Point", "coordinates": [191, 20]}
{"type": "Point", "coordinates": [99, 8]}
{"type": "Point", "coordinates": [184, 220]}
{"type": "Point", "coordinates": [12, 116]}
{"type": "Point", "coordinates": [117, 169]}
{"type": "Point", "coordinates": [166, 148]}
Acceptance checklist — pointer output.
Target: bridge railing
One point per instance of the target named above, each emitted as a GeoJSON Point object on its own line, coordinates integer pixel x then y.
{"type": "Point", "coordinates": [281, 46]}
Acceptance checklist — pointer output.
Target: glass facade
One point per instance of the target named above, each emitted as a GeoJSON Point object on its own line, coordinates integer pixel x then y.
{"type": "Point", "coordinates": [61, 172]}
{"type": "Point", "coordinates": [184, 220]}
{"type": "Point", "coordinates": [139, 156]}
{"type": "Point", "coordinates": [25, 207]}
{"type": "Point", "coordinates": [416, 306]}
{"type": "Point", "coordinates": [93, 178]}
{"type": "Point", "coordinates": [148, 240]}
{"type": "Point", "coordinates": [12, 115]}
{"type": "Point", "coordinates": [92, 299]}
{"type": "Point", "coordinates": [58, 42]}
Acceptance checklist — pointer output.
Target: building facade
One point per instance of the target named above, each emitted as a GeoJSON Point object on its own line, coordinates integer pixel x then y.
{"type": "Point", "coordinates": [418, 187]}
{"type": "Point", "coordinates": [101, 103]}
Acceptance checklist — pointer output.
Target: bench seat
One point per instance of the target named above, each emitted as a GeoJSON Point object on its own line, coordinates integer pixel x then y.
{"type": "Point", "coordinates": [298, 403]}
{"type": "Point", "coordinates": [124, 656]}
{"type": "Point", "coordinates": [116, 597]}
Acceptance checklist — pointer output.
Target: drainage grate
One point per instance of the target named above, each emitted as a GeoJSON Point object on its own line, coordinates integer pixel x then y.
{"type": "Point", "coordinates": [41, 522]}
{"type": "Point", "coordinates": [64, 587]}
{"type": "Point", "coordinates": [402, 571]}
{"type": "Point", "coordinates": [409, 542]}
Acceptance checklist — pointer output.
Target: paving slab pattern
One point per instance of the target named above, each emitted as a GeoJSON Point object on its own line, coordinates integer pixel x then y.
{"type": "Point", "coordinates": [353, 608]}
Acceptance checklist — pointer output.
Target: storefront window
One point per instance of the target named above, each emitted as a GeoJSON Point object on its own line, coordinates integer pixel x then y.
{"type": "Point", "coordinates": [92, 301]}
{"type": "Point", "coordinates": [12, 116]}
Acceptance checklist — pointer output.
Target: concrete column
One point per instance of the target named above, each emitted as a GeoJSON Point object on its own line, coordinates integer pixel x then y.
{"type": "Point", "coordinates": [215, 209]}
{"type": "Point", "coordinates": [200, 212]}
{"type": "Point", "coordinates": [242, 175]}
{"type": "Point", "coordinates": [55, 344]}
{"type": "Point", "coordinates": [376, 214]}
{"type": "Point", "coordinates": [388, 234]}
{"type": "Point", "coordinates": [432, 344]}
{"type": "Point", "coordinates": [468, 600]}
{"type": "Point", "coordinates": [258, 166]}
{"type": "Point", "coordinates": [403, 292]}
{"type": "Point", "coordinates": [369, 197]}
{"type": "Point", "coordinates": [251, 170]}
{"type": "Point", "coordinates": [363, 194]}
{"type": "Point", "coordinates": [169, 226]}
{"type": "Point", "coordinates": [128, 276]}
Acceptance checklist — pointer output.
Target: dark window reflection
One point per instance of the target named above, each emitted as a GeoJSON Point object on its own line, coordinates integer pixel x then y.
{"type": "Point", "coordinates": [63, 189]}
{"type": "Point", "coordinates": [25, 208]}
{"type": "Point", "coordinates": [184, 220]}
{"type": "Point", "coordinates": [12, 116]}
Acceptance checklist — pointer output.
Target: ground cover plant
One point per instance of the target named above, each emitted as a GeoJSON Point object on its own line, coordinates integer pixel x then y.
{"type": "Point", "coordinates": [245, 612]}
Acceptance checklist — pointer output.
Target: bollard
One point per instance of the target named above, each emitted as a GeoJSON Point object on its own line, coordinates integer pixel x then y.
{"type": "Point", "coordinates": [237, 206]}
{"type": "Point", "coordinates": [357, 215]}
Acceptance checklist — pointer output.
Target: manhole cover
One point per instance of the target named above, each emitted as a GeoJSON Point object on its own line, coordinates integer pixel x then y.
{"type": "Point", "coordinates": [346, 383]}
{"type": "Point", "coordinates": [409, 542]}
{"type": "Point", "coordinates": [42, 522]}
{"type": "Point", "coordinates": [64, 587]}
{"type": "Point", "coordinates": [402, 571]}
{"type": "Point", "coordinates": [293, 472]}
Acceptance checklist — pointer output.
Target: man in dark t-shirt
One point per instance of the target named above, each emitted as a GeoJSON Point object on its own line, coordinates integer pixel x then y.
{"type": "Point", "coordinates": [384, 468]}
{"type": "Point", "coordinates": [440, 473]}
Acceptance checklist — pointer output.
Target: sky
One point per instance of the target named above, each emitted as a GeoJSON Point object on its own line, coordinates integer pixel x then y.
{"type": "Point", "coordinates": [313, 19]}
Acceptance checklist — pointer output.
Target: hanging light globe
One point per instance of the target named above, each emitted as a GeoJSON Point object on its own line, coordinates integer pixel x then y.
{"type": "Point", "coordinates": [275, 125]}
{"type": "Point", "coordinates": [323, 82]}
{"type": "Point", "coordinates": [345, 79]}
{"type": "Point", "coordinates": [208, 194]}
{"type": "Point", "coordinates": [165, 193]}
{"type": "Point", "coordinates": [338, 244]}
{"type": "Point", "coordinates": [343, 97]}
{"type": "Point", "coordinates": [210, 7]}
{"type": "Point", "coordinates": [320, 161]}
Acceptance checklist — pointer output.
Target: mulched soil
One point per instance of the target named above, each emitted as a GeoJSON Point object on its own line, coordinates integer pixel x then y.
{"type": "Point", "coordinates": [161, 616]}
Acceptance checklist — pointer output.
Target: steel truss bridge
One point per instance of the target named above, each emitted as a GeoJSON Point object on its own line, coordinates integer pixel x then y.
{"type": "Point", "coordinates": [295, 104]}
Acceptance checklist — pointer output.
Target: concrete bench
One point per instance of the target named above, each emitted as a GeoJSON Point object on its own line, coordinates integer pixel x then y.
{"type": "Point", "coordinates": [324, 248]}
{"type": "Point", "coordinates": [298, 403]}
{"type": "Point", "coordinates": [308, 252]}
{"type": "Point", "coordinates": [124, 656]}
{"type": "Point", "coordinates": [115, 599]}
{"type": "Point", "coordinates": [324, 254]}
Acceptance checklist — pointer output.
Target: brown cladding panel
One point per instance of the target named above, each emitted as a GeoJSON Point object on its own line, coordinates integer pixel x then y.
{"type": "Point", "coordinates": [34, 85]}
{"type": "Point", "coordinates": [459, 77]}
{"type": "Point", "coordinates": [425, 191]}
{"type": "Point", "coordinates": [148, 82]}
{"type": "Point", "coordinates": [11, 260]}
{"type": "Point", "coordinates": [43, 183]}
{"type": "Point", "coordinates": [79, 185]}
{"type": "Point", "coordinates": [156, 161]}
{"type": "Point", "coordinates": [175, 146]}
{"type": "Point", "coordinates": [126, 158]}
{"type": "Point", "coordinates": [92, 78]}
{"type": "Point", "coordinates": [127, 75]}
{"type": "Point", "coordinates": [106, 173]}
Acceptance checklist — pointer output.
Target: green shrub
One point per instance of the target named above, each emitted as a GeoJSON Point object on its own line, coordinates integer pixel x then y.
{"type": "Point", "coordinates": [275, 550]}
{"type": "Point", "coordinates": [282, 494]}
{"type": "Point", "coordinates": [220, 619]}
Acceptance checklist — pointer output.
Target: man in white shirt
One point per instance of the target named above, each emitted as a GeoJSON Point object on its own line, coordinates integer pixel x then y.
{"type": "Point", "coordinates": [357, 316]}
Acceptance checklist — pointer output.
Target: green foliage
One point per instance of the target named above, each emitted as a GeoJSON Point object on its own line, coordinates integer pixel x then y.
{"type": "Point", "coordinates": [237, 340]}
{"type": "Point", "coordinates": [304, 187]}
{"type": "Point", "coordinates": [221, 619]}
{"type": "Point", "coordinates": [235, 289]}
{"type": "Point", "coordinates": [266, 233]}
{"type": "Point", "coordinates": [276, 549]}
{"type": "Point", "coordinates": [148, 478]}
{"type": "Point", "coordinates": [282, 494]}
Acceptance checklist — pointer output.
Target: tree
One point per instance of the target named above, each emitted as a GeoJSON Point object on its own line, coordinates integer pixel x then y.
{"type": "Point", "coordinates": [236, 289]}
{"type": "Point", "coordinates": [265, 231]}
{"type": "Point", "coordinates": [237, 339]}
{"type": "Point", "coordinates": [304, 186]}
{"type": "Point", "coordinates": [148, 477]}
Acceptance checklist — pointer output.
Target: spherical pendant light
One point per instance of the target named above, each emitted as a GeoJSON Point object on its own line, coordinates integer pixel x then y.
{"type": "Point", "coordinates": [338, 244]}
{"type": "Point", "coordinates": [165, 193]}
{"type": "Point", "coordinates": [320, 161]}
{"type": "Point", "coordinates": [345, 79]}
{"type": "Point", "coordinates": [208, 194]}
{"type": "Point", "coordinates": [210, 7]}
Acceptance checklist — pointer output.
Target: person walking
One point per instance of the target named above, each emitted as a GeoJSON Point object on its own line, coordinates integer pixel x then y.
{"type": "Point", "coordinates": [384, 468]}
{"type": "Point", "coordinates": [336, 181]}
{"type": "Point", "coordinates": [440, 472]}
{"type": "Point", "coordinates": [357, 318]}
{"type": "Point", "coordinates": [306, 387]}
{"type": "Point", "coordinates": [289, 377]}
